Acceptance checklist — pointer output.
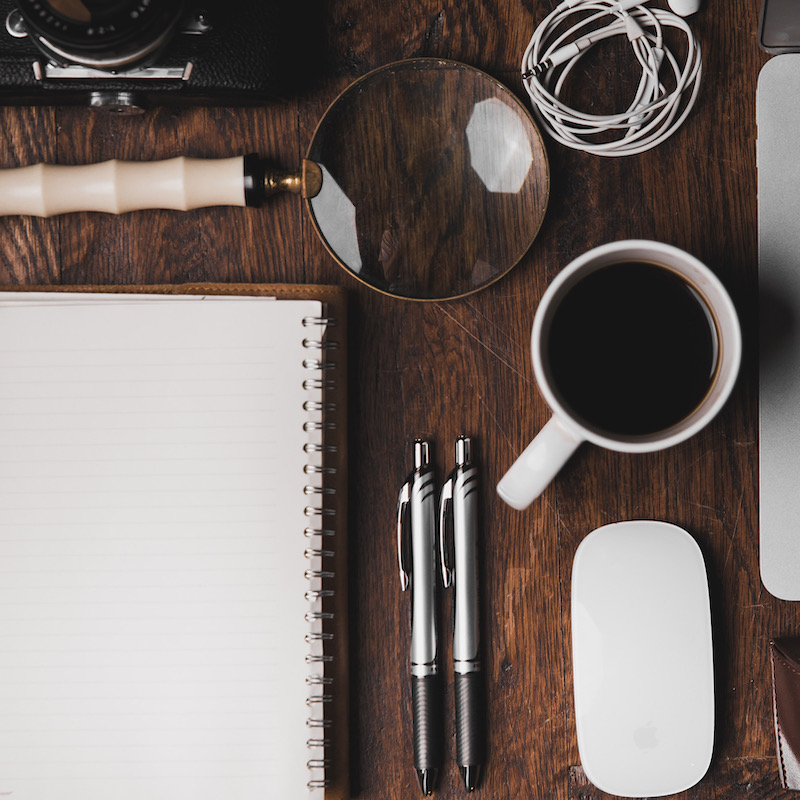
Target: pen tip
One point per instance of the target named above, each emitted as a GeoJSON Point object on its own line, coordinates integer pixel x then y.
{"type": "Point", "coordinates": [470, 775]}
{"type": "Point", "coordinates": [427, 780]}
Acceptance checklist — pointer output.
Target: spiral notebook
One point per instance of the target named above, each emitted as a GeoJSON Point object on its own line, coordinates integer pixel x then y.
{"type": "Point", "coordinates": [172, 544]}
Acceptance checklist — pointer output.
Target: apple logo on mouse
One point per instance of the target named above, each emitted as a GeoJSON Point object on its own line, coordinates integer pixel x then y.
{"type": "Point", "coordinates": [646, 737]}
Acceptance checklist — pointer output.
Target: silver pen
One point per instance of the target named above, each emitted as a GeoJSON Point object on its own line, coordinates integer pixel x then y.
{"type": "Point", "coordinates": [416, 549]}
{"type": "Point", "coordinates": [458, 514]}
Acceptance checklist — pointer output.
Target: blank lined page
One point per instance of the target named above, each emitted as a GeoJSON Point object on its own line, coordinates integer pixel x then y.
{"type": "Point", "coordinates": [152, 589]}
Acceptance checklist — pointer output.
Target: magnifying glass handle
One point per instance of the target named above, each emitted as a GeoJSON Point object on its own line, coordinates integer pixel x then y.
{"type": "Point", "coordinates": [116, 187]}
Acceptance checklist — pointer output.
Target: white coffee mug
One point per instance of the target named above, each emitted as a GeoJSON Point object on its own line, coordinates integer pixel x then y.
{"type": "Point", "coordinates": [565, 432]}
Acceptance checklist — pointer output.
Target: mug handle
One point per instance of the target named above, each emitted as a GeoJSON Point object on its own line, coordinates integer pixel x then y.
{"type": "Point", "coordinates": [538, 464]}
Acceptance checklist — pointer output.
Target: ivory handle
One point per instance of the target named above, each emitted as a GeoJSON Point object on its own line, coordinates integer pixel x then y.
{"type": "Point", "coordinates": [115, 187]}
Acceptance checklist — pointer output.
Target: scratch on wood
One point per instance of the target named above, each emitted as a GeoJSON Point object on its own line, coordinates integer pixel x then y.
{"type": "Point", "coordinates": [703, 505]}
{"type": "Point", "coordinates": [735, 529]}
{"type": "Point", "coordinates": [724, 162]}
{"type": "Point", "coordinates": [485, 346]}
{"type": "Point", "coordinates": [496, 422]}
{"type": "Point", "coordinates": [503, 330]}
{"type": "Point", "coordinates": [705, 454]}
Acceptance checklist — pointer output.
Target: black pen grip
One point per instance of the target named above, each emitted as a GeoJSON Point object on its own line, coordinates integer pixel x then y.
{"type": "Point", "coordinates": [470, 737]}
{"type": "Point", "coordinates": [426, 699]}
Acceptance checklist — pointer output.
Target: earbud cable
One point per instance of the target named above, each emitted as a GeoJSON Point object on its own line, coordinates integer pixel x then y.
{"type": "Point", "coordinates": [654, 114]}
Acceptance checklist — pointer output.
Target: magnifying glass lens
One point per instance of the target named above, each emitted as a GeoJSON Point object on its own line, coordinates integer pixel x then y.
{"type": "Point", "coordinates": [435, 179]}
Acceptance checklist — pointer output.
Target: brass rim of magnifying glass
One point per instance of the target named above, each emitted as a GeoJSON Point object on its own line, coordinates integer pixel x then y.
{"type": "Point", "coordinates": [309, 180]}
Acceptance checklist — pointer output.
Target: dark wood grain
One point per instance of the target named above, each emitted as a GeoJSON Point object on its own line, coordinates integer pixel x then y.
{"type": "Point", "coordinates": [439, 369]}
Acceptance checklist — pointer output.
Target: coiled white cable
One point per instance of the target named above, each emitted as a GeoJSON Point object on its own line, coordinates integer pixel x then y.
{"type": "Point", "coordinates": [654, 113]}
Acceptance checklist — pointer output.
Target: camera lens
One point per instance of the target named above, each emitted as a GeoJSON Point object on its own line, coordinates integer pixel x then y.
{"type": "Point", "coordinates": [104, 34]}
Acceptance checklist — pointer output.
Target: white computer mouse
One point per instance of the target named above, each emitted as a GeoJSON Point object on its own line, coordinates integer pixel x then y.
{"type": "Point", "coordinates": [642, 659]}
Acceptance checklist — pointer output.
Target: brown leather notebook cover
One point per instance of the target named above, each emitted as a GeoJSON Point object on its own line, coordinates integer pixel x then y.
{"type": "Point", "coordinates": [785, 664]}
{"type": "Point", "coordinates": [332, 350]}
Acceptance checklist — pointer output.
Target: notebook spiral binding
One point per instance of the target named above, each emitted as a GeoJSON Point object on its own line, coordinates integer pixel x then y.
{"type": "Point", "coordinates": [321, 453]}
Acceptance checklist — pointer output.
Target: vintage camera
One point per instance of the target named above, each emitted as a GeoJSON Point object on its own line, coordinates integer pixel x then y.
{"type": "Point", "coordinates": [125, 55]}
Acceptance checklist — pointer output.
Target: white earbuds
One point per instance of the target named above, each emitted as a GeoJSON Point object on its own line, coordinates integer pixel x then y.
{"type": "Point", "coordinates": [684, 8]}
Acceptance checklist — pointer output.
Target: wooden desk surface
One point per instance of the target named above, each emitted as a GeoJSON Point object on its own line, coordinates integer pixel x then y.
{"type": "Point", "coordinates": [437, 370]}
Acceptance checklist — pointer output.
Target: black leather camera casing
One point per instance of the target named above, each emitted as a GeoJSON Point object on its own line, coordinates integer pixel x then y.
{"type": "Point", "coordinates": [241, 52]}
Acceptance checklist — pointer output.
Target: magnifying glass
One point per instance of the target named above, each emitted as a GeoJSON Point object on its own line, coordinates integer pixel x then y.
{"type": "Point", "coordinates": [426, 179]}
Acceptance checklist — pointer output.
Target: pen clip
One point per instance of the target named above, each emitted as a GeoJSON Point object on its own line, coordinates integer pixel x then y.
{"type": "Point", "coordinates": [445, 526]}
{"type": "Point", "coordinates": [447, 511]}
{"type": "Point", "coordinates": [402, 535]}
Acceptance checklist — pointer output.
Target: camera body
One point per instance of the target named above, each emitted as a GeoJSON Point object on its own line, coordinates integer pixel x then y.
{"type": "Point", "coordinates": [227, 52]}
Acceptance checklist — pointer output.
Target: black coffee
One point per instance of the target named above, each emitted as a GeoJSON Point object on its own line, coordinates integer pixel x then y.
{"type": "Point", "coordinates": [632, 349]}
